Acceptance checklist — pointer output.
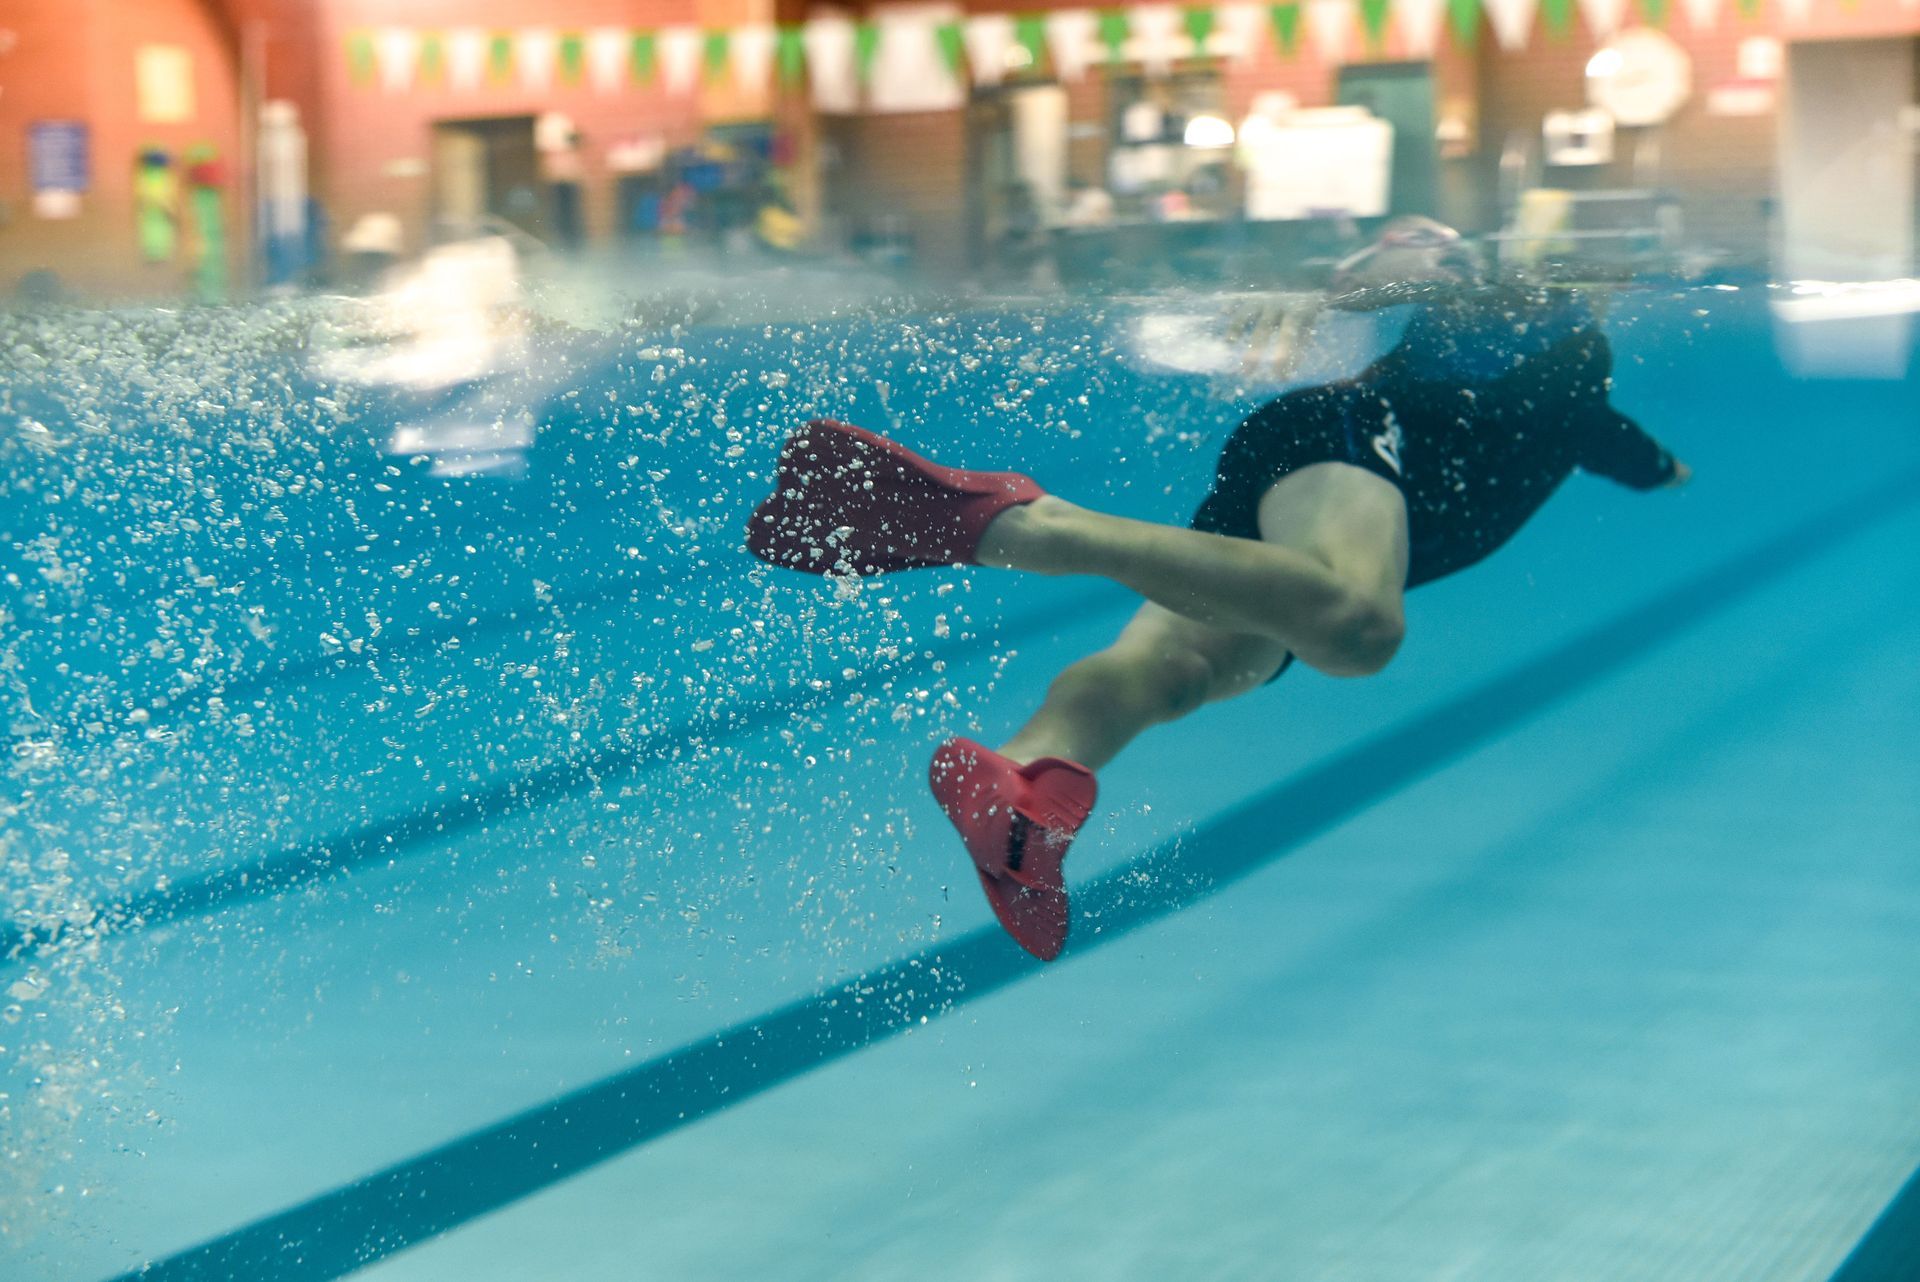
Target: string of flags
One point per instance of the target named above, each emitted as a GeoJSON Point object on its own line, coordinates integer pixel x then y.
{"type": "Point", "coordinates": [922, 57]}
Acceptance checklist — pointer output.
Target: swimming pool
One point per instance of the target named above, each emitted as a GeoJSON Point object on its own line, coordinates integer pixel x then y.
{"type": "Point", "coordinates": [434, 846]}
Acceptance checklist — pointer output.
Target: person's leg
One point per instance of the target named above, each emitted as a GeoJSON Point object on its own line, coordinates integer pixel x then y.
{"type": "Point", "coordinates": [1323, 581]}
{"type": "Point", "coordinates": [1164, 665]}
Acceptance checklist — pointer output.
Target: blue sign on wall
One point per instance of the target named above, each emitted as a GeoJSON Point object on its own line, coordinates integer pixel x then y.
{"type": "Point", "coordinates": [57, 155]}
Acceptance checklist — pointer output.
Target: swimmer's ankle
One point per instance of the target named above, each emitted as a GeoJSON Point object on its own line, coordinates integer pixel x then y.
{"type": "Point", "coordinates": [1012, 538]}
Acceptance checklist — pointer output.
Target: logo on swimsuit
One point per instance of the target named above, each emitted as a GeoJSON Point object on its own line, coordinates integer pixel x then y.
{"type": "Point", "coordinates": [1387, 444]}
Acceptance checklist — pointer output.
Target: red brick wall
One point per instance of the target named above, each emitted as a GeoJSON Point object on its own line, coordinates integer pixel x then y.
{"type": "Point", "coordinates": [74, 59]}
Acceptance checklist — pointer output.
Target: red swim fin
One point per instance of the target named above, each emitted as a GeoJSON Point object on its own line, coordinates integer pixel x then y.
{"type": "Point", "coordinates": [1017, 822]}
{"type": "Point", "coordinates": [846, 499]}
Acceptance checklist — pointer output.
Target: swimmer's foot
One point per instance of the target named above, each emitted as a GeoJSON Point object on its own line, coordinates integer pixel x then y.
{"type": "Point", "coordinates": [846, 500]}
{"type": "Point", "coordinates": [1017, 822]}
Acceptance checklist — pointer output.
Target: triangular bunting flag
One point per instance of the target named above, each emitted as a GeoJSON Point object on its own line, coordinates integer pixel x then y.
{"type": "Point", "coordinates": [752, 54]}
{"type": "Point", "coordinates": [1073, 41]}
{"type": "Point", "coordinates": [433, 58]}
{"type": "Point", "coordinates": [644, 58]}
{"type": "Point", "coordinates": [989, 37]}
{"type": "Point", "coordinates": [1330, 24]}
{"type": "Point", "coordinates": [1420, 24]}
{"type": "Point", "coordinates": [533, 54]}
{"type": "Point", "coordinates": [1749, 9]}
{"type": "Point", "coordinates": [1654, 11]}
{"type": "Point", "coordinates": [396, 51]}
{"type": "Point", "coordinates": [1030, 33]}
{"type": "Point", "coordinates": [1240, 26]}
{"type": "Point", "coordinates": [1558, 16]}
{"type": "Point", "coordinates": [716, 51]}
{"type": "Point", "coordinates": [790, 52]}
{"type": "Point", "coordinates": [500, 57]}
{"type": "Point", "coordinates": [866, 45]}
{"type": "Point", "coordinates": [466, 59]}
{"type": "Point", "coordinates": [1198, 21]}
{"type": "Point", "coordinates": [1464, 17]}
{"type": "Point", "coordinates": [831, 73]}
{"type": "Point", "coordinates": [1796, 12]}
{"type": "Point", "coordinates": [1702, 15]}
{"type": "Point", "coordinates": [1114, 32]}
{"type": "Point", "coordinates": [1603, 17]}
{"type": "Point", "coordinates": [360, 57]}
{"type": "Point", "coordinates": [1286, 27]}
{"type": "Point", "coordinates": [606, 58]}
{"type": "Point", "coordinates": [1156, 36]}
{"type": "Point", "coordinates": [1511, 20]}
{"type": "Point", "coordinates": [909, 71]}
{"type": "Point", "coordinates": [572, 58]}
{"type": "Point", "coordinates": [1373, 16]}
{"type": "Point", "coordinates": [681, 50]}
{"type": "Point", "coordinates": [953, 45]}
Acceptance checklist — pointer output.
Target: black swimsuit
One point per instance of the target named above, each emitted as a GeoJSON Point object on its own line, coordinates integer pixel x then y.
{"type": "Point", "coordinates": [1488, 402]}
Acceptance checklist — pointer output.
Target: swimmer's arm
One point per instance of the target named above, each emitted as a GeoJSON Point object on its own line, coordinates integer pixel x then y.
{"type": "Point", "coordinates": [1619, 449]}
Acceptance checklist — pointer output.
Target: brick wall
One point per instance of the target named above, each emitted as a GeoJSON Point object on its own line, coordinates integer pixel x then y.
{"type": "Point", "coordinates": [74, 59]}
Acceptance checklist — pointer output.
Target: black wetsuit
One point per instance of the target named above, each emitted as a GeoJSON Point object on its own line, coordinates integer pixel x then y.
{"type": "Point", "coordinates": [1489, 401]}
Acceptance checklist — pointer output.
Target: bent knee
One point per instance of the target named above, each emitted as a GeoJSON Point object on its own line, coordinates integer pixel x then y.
{"type": "Point", "coordinates": [1364, 636]}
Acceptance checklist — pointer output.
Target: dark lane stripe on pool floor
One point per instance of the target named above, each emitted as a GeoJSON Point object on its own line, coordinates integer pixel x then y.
{"type": "Point", "coordinates": [407, 1203]}
{"type": "Point", "coordinates": [1890, 1252]}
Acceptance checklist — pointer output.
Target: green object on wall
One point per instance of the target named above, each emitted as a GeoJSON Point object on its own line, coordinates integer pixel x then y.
{"type": "Point", "coordinates": [1465, 16]}
{"type": "Point", "coordinates": [1114, 30]}
{"type": "Point", "coordinates": [156, 203]}
{"type": "Point", "coordinates": [790, 52]}
{"type": "Point", "coordinates": [866, 45]}
{"type": "Point", "coordinates": [1373, 17]}
{"type": "Point", "coordinates": [210, 232]}
{"type": "Point", "coordinates": [572, 58]}
{"type": "Point", "coordinates": [1286, 27]}
{"type": "Point", "coordinates": [1198, 20]}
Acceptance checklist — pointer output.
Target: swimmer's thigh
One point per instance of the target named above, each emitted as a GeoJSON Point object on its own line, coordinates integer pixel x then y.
{"type": "Point", "coordinates": [1349, 519]}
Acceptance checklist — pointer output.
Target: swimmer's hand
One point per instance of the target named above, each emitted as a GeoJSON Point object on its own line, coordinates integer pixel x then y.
{"type": "Point", "coordinates": [1681, 475]}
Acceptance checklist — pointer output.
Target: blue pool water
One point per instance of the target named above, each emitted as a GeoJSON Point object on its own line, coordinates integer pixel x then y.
{"type": "Point", "coordinates": [432, 845]}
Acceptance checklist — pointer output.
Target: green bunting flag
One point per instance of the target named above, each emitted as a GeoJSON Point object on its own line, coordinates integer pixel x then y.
{"type": "Point", "coordinates": [360, 58]}
{"type": "Point", "coordinates": [433, 58]}
{"type": "Point", "coordinates": [644, 57]}
{"type": "Point", "coordinates": [1749, 9]}
{"type": "Point", "coordinates": [717, 50]}
{"type": "Point", "coordinates": [1373, 17]}
{"type": "Point", "coordinates": [1114, 30]}
{"type": "Point", "coordinates": [1030, 33]}
{"type": "Point", "coordinates": [1558, 16]}
{"type": "Point", "coordinates": [1654, 11]}
{"type": "Point", "coordinates": [500, 57]}
{"type": "Point", "coordinates": [1286, 27]}
{"type": "Point", "coordinates": [953, 45]}
{"type": "Point", "coordinates": [790, 54]}
{"type": "Point", "coordinates": [1198, 20]}
{"type": "Point", "coordinates": [866, 44]}
{"type": "Point", "coordinates": [572, 57]}
{"type": "Point", "coordinates": [1465, 18]}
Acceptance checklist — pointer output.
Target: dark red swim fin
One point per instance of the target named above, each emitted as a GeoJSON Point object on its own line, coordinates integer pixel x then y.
{"type": "Point", "coordinates": [1017, 822]}
{"type": "Point", "coordinates": [847, 500]}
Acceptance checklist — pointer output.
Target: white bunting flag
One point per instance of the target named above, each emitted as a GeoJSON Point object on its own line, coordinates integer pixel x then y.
{"type": "Point", "coordinates": [1603, 16]}
{"type": "Point", "coordinates": [1330, 25]}
{"type": "Point", "coordinates": [751, 54]}
{"type": "Point", "coordinates": [466, 58]}
{"type": "Point", "coordinates": [1511, 20]}
{"type": "Point", "coordinates": [989, 38]}
{"type": "Point", "coordinates": [909, 71]}
{"type": "Point", "coordinates": [1420, 22]}
{"type": "Point", "coordinates": [607, 50]}
{"type": "Point", "coordinates": [1796, 11]}
{"type": "Point", "coordinates": [1239, 29]}
{"type": "Point", "coordinates": [1073, 40]}
{"type": "Point", "coordinates": [396, 52]}
{"type": "Point", "coordinates": [1157, 36]}
{"type": "Point", "coordinates": [533, 52]}
{"type": "Point", "coordinates": [680, 49]}
{"type": "Point", "coordinates": [1702, 15]}
{"type": "Point", "coordinates": [831, 70]}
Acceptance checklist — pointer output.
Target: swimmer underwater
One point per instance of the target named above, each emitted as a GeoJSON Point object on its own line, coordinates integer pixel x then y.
{"type": "Point", "coordinates": [1327, 505]}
